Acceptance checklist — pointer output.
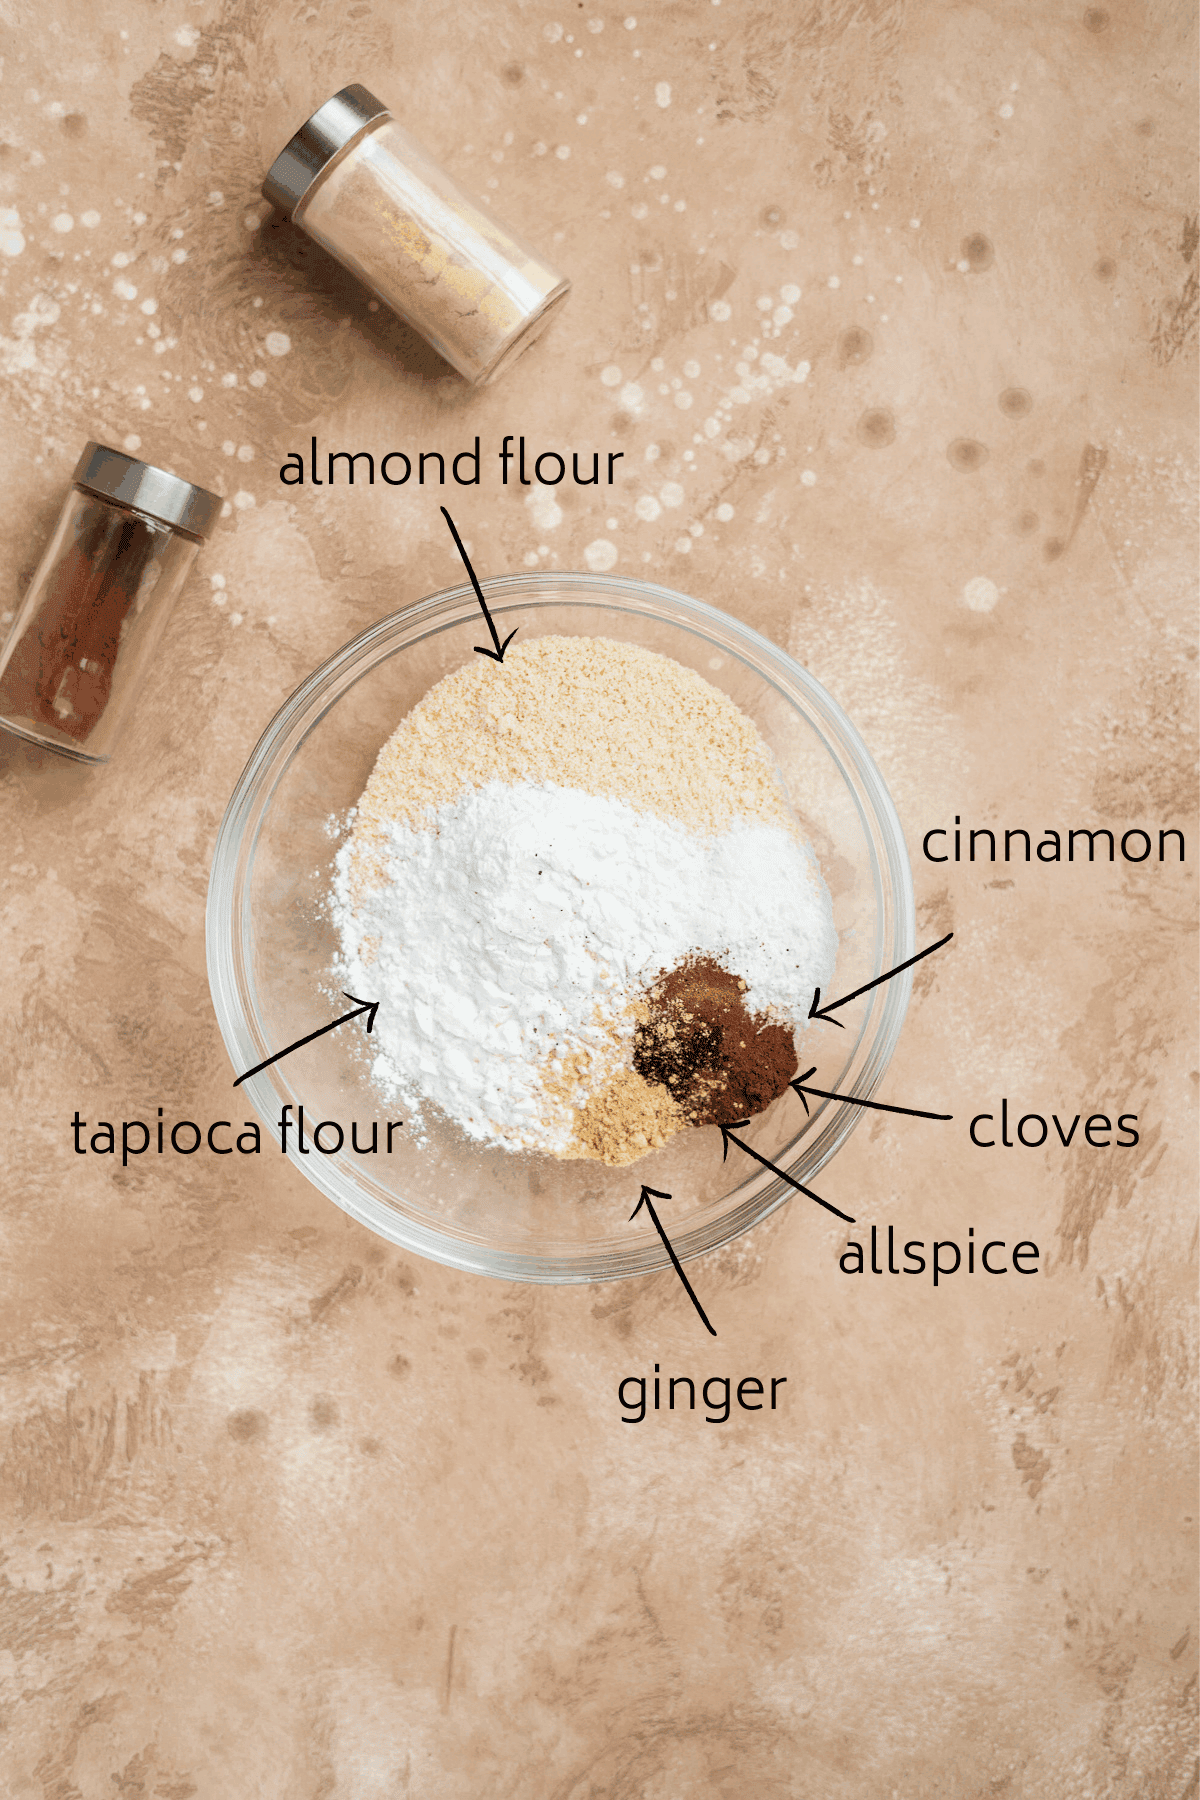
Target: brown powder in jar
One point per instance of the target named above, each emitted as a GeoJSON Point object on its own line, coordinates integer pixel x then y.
{"type": "Point", "coordinates": [698, 1040]}
{"type": "Point", "coordinates": [60, 671]}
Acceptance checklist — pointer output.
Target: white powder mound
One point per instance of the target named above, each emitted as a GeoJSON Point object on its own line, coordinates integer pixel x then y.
{"type": "Point", "coordinates": [517, 925]}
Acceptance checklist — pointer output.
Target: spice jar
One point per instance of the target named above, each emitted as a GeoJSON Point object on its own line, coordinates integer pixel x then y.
{"type": "Point", "coordinates": [86, 632]}
{"type": "Point", "coordinates": [354, 180]}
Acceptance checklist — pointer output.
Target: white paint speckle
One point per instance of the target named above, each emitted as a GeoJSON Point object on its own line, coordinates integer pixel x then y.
{"type": "Point", "coordinates": [980, 594]}
{"type": "Point", "coordinates": [149, 307]}
{"type": "Point", "coordinates": [631, 24]}
{"type": "Point", "coordinates": [671, 494]}
{"type": "Point", "coordinates": [764, 303]}
{"type": "Point", "coordinates": [835, 281]}
{"type": "Point", "coordinates": [216, 581]}
{"type": "Point", "coordinates": [691, 368]}
{"type": "Point", "coordinates": [683, 400]}
{"type": "Point", "coordinates": [63, 222]}
{"type": "Point", "coordinates": [615, 179]}
{"type": "Point", "coordinates": [187, 37]}
{"type": "Point", "coordinates": [245, 453]}
{"type": "Point", "coordinates": [216, 197]}
{"type": "Point", "coordinates": [91, 218]}
{"type": "Point", "coordinates": [683, 545]}
{"type": "Point", "coordinates": [12, 239]}
{"type": "Point", "coordinates": [647, 508]}
{"type": "Point", "coordinates": [595, 26]}
{"type": "Point", "coordinates": [552, 33]}
{"type": "Point", "coordinates": [632, 396]}
{"type": "Point", "coordinates": [719, 311]}
{"type": "Point", "coordinates": [562, 151]}
{"type": "Point", "coordinates": [724, 512]}
{"type": "Point", "coordinates": [658, 172]}
{"type": "Point", "coordinates": [243, 501]}
{"type": "Point", "coordinates": [611, 375]}
{"type": "Point", "coordinates": [277, 343]}
{"type": "Point", "coordinates": [258, 378]}
{"type": "Point", "coordinates": [652, 453]}
{"type": "Point", "coordinates": [600, 554]}
{"type": "Point", "coordinates": [131, 443]}
{"type": "Point", "coordinates": [543, 509]}
{"type": "Point", "coordinates": [1006, 111]}
{"type": "Point", "coordinates": [783, 315]}
{"type": "Point", "coordinates": [914, 224]}
{"type": "Point", "coordinates": [809, 478]}
{"type": "Point", "coordinates": [662, 93]}
{"type": "Point", "coordinates": [228, 447]}
{"type": "Point", "coordinates": [195, 395]}
{"type": "Point", "coordinates": [124, 290]}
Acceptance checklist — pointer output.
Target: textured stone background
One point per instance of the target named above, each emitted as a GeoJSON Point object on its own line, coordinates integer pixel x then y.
{"type": "Point", "coordinates": [288, 1515]}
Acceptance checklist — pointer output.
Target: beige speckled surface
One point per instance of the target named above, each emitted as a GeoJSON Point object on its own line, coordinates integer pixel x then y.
{"type": "Point", "coordinates": [288, 1515]}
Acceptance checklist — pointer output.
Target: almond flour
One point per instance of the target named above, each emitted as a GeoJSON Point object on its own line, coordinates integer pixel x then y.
{"type": "Point", "coordinates": [584, 713]}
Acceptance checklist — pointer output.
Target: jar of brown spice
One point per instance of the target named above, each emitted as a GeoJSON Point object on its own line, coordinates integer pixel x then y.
{"type": "Point", "coordinates": [86, 632]}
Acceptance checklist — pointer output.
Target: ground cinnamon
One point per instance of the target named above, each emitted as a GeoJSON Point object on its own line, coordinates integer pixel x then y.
{"type": "Point", "coordinates": [99, 600]}
{"type": "Point", "coordinates": [60, 669]}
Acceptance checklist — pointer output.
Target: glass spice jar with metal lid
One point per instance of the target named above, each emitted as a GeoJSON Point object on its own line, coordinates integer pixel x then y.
{"type": "Point", "coordinates": [356, 182]}
{"type": "Point", "coordinates": [86, 632]}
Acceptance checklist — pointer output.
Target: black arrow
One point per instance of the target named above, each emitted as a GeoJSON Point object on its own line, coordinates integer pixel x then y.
{"type": "Point", "coordinates": [912, 1112]}
{"type": "Point", "coordinates": [648, 1203]}
{"type": "Point", "coordinates": [370, 1007]}
{"type": "Point", "coordinates": [497, 654]}
{"type": "Point", "coordinates": [727, 1138]}
{"type": "Point", "coordinates": [817, 1011]}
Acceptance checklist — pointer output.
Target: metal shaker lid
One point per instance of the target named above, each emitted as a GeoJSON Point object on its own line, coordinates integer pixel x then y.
{"type": "Point", "coordinates": [115, 476]}
{"type": "Point", "coordinates": [332, 129]}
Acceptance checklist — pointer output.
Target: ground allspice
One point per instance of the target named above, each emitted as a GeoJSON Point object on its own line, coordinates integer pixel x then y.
{"type": "Point", "coordinates": [718, 1061]}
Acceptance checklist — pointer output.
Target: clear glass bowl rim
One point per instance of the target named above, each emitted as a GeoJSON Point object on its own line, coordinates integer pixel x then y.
{"type": "Point", "coordinates": [227, 922]}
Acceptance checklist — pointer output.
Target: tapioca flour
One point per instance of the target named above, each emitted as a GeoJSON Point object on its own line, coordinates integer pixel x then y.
{"type": "Point", "coordinates": [541, 840]}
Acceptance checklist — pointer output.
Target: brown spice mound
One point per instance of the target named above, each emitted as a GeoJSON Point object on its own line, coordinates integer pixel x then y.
{"type": "Point", "coordinates": [718, 1061]}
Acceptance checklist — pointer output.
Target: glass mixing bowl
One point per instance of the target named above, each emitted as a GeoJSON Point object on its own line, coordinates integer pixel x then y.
{"type": "Point", "coordinates": [272, 947]}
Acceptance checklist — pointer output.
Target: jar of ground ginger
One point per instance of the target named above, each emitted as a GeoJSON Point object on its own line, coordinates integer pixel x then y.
{"type": "Point", "coordinates": [354, 180]}
{"type": "Point", "coordinates": [86, 632]}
